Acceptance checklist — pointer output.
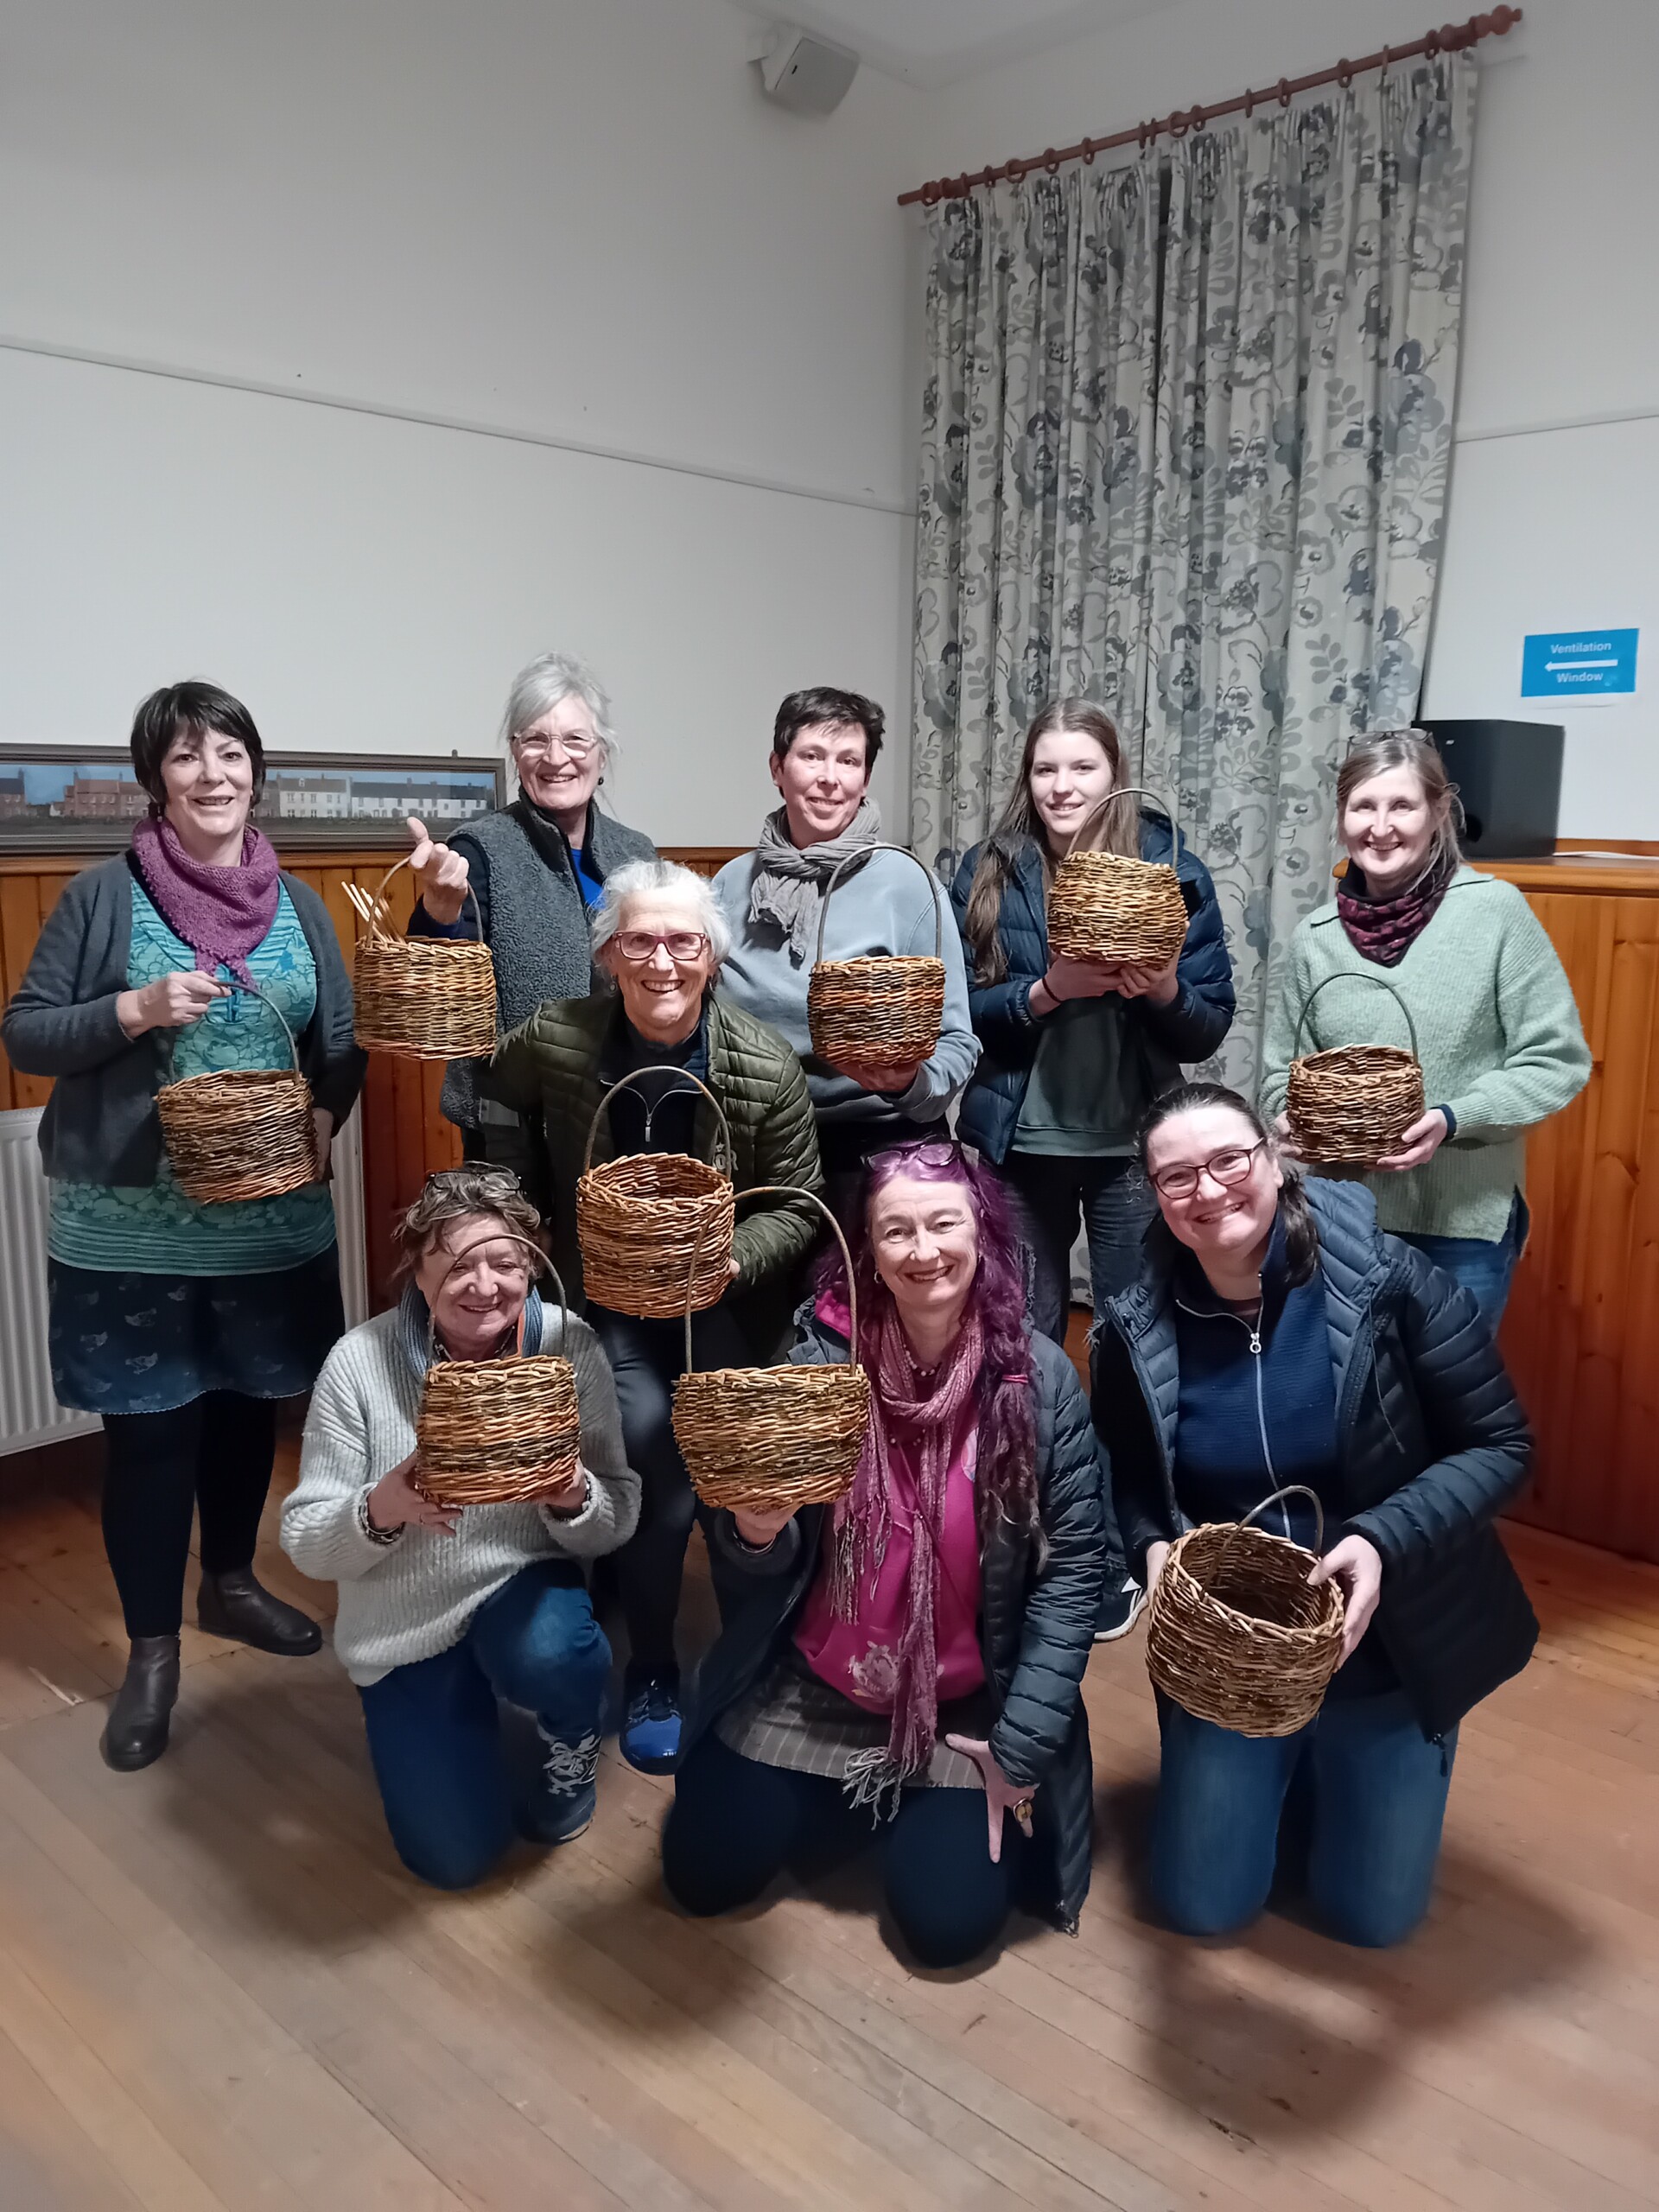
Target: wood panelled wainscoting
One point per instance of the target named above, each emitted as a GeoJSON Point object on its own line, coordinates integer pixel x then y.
{"type": "Point", "coordinates": [1583, 1328]}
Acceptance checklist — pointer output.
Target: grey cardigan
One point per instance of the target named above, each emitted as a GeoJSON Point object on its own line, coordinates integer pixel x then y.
{"type": "Point", "coordinates": [100, 1124]}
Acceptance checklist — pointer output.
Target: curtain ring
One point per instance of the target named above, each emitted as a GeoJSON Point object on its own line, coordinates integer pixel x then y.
{"type": "Point", "coordinates": [1249, 105]}
{"type": "Point", "coordinates": [1145, 129]}
{"type": "Point", "coordinates": [1015, 173]}
{"type": "Point", "coordinates": [1087, 150]}
{"type": "Point", "coordinates": [1431, 45]}
{"type": "Point", "coordinates": [1178, 124]}
{"type": "Point", "coordinates": [1199, 119]}
{"type": "Point", "coordinates": [1345, 73]}
{"type": "Point", "coordinates": [1051, 161]}
{"type": "Point", "coordinates": [1284, 92]}
{"type": "Point", "coordinates": [930, 195]}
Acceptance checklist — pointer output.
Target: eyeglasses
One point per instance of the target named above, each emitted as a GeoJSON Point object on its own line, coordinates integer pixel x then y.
{"type": "Point", "coordinates": [640, 946]}
{"type": "Point", "coordinates": [1227, 1168]}
{"type": "Point", "coordinates": [536, 745]}
{"type": "Point", "coordinates": [931, 1152]}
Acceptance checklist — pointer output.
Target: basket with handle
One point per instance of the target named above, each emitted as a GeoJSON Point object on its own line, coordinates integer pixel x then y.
{"type": "Point", "coordinates": [762, 1440]}
{"type": "Point", "coordinates": [1349, 1107]}
{"type": "Point", "coordinates": [1236, 1635]}
{"type": "Point", "coordinates": [649, 1221]}
{"type": "Point", "coordinates": [497, 1432]}
{"type": "Point", "coordinates": [242, 1132]}
{"type": "Point", "coordinates": [883, 1010]}
{"type": "Point", "coordinates": [421, 998]}
{"type": "Point", "coordinates": [1108, 907]}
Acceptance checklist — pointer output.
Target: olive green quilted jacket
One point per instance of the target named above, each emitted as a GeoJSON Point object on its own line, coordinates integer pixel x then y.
{"type": "Point", "coordinates": [550, 1064]}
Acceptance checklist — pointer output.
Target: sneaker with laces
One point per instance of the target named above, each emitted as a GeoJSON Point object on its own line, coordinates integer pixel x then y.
{"type": "Point", "coordinates": [650, 1735]}
{"type": "Point", "coordinates": [561, 1808]}
{"type": "Point", "coordinates": [1120, 1609]}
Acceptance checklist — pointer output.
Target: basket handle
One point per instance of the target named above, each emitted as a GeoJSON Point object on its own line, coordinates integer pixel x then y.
{"type": "Point", "coordinates": [663, 1067]}
{"type": "Point", "coordinates": [779, 1191]}
{"type": "Point", "coordinates": [378, 933]}
{"type": "Point", "coordinates": [544, 1266]}
{"type": "Point", "coordinates": [253, 991]}
{"type": "Point", "coordinates": [1290, 1490]}
{"type": "Point", "coordinates": [1128, 790]}
{"type": "Point", "coordinates": [1354, 975]}
{"type": "Point", "coordinates": [861, 852]}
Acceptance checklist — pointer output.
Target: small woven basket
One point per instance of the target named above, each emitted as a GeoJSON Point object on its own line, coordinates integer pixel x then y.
{"type": "Point", "coordinates": [1108, 907]}
{"type": "Point", "coordinates": [764, 1439]}
{"type": "Point", "coordinates": [246, 1133]}
{"type": "Point", "coordinates": [881, 1011]}
{"type": "Point", "coordinates": [422, 998]}
{"type": "Point", "coordinates": [1235, 1635]}
{"type": "Point", "coordinates": [646, 1222]}
{"type": "Point", "coordinates": [497, 1432]}
{"type": "Point", "coordinates": [1349, 1107]}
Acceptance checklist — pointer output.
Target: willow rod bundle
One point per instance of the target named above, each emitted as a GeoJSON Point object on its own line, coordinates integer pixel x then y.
{"type": "Point", "coordinates": [421, 998]}
{"type": "Point", "coordinates": [244, 1133]}
{"type": "Point", "coordinates": [1108, 906]}
{"type": "Point", "coordinates": [497, 1432]}
{"type": "Point", "coordinates": [651, 1220]}
{"type": "Point", "coordinates": [1351, 1106]}
{"type": "Point", "coordinates": [882, 1010]}
{"type": "Point", "coordinates": [1234, 1633]}
{"type": "Point", "coordinates": [764, 1439]}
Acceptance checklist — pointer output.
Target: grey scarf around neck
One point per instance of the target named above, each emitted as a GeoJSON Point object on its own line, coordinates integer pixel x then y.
{"type": "Point", "coordinates": [788, 884]}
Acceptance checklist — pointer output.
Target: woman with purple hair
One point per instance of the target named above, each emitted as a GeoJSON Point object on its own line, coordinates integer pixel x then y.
{"type": "Point", "coordinates": [910, 1660]}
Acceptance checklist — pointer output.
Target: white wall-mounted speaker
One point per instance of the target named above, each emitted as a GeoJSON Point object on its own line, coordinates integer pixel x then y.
{"type": "Point", "coordinates": [801, 70]}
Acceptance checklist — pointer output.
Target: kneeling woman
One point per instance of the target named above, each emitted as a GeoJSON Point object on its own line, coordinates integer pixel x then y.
{"type": "Point", "coordinates": [1278, 1336]}
{"type": "Point", "coordinates": [444, 1611]}
{"type": "Point", "coordinates": [909, 1661]}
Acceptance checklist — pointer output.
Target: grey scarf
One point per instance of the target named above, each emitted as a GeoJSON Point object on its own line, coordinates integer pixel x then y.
{"type": "Point", "coordinates": [788, 884]}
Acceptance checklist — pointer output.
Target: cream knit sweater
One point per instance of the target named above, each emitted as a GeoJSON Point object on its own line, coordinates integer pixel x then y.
{"type": "Point", "coordinates": [414, 1596]}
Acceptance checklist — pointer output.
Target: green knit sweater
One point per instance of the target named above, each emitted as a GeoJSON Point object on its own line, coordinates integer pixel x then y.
{"type": "Point", "coordinates": [1498, 1032]}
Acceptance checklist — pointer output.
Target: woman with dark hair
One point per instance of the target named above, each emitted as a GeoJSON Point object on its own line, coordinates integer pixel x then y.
{"type": "Point", "coordinates": [183, 1324]}
{"type": "Point", "coordinates": [910, 1659]}
{"type": "Point", "coordinates": [1277, 1336]}
{"type": "Point", "coordinates": [538, 869]}
{"type": "Point", "coordinates": [824, 745]}
{"type": "Point", "coordinates": [1497, 1031]}
{"type": "Point", "coordinates": [447, 1613]}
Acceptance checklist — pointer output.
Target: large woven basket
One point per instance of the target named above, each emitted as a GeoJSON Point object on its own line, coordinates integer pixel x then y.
{"type": "Point", "coordinates": [1108, 907]}
{"type": "Point", "coordinates": [764, 1439]}
{"type": "Point", "coordinates": [646, 1222]}
{"type": "Point", "coordinates": [1234, 1632]}
{"type": "Point", "coordinates": [1349, 1107]}
{"type": "Point", "coordinates": [422, 998]}
{"type": "Point", "coordinates": [881, 1011]}
{"type": "Point", "coordinates": [497, 1432]}
{"type": "Point", "coordinates": [247, 1133]}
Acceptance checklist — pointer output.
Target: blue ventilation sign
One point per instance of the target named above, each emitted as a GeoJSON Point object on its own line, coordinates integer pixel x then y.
{"type": "Point", "coordinates": [1578, 663]}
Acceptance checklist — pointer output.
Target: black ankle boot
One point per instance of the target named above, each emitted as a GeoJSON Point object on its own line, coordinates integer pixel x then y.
{"type": "Point", "coordinates": [233, 1604]}
{"type": "Point", "coordinates": [136, 1732]}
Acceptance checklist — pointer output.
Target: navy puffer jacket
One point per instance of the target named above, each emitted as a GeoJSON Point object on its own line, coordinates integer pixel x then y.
{"type": "Point", "coordinates": [1431, 1444]}
{"type": "Point", "coordinates": [1189, 1028]}
{"type": "Point", "coordinates": [1037, 1622]}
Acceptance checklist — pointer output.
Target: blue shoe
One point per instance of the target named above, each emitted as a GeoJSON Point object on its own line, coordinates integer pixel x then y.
{"type": "Point", "coordinates": [650, 1735]}
{"type": "Point", "coordinates": [561, 1808]}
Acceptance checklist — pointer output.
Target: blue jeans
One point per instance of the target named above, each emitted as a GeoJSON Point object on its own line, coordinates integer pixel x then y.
{"type": "Point", "coordinates": [435, 1727]}
{"type": "Point", "coordinates": [1485, 1270]}
{"type": "Point", "coordinates": [1375, 1792]}
{"type": "Point", "coordinates": [1112, 1201]}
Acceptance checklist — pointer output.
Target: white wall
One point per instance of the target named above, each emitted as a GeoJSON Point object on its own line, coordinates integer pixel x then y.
{"type": "Point", "coordinates": [1549, 524]}
{"type": "Point", "coordinates": [577, 226]}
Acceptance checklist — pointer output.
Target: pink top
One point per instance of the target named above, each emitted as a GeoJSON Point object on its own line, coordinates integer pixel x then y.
{"type": "Point", "coordinates": [859, 1657]}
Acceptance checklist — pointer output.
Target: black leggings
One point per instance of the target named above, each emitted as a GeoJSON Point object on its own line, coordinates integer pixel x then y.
{"type": "Point", "coordinates": [735, 1824]}
{"type": "Point", "coordinates": [214, 1454]}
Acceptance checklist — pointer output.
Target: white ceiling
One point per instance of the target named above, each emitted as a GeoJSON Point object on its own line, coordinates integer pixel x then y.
{"type": "Point", "coordinates": [933, 42]}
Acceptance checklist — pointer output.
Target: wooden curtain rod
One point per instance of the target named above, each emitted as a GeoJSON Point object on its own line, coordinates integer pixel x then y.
{"type": "Point", "coordinates": [1450, 38]}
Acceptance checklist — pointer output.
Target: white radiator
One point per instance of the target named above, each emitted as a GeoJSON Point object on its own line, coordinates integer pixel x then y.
{"type": "Point", "coordinates": [29, 1414]}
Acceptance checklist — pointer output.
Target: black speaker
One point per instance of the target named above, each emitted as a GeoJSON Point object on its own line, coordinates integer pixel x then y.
{"type": "Point", "coordinates": [1508, 776]}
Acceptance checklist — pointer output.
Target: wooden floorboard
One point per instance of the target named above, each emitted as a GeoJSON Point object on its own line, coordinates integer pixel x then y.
{"type": "Point", "coordinates": [219, 1990]}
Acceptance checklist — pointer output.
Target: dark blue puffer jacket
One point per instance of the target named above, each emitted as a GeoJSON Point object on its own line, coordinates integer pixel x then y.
{"type": "Point", "coordinates": [1189, 1028]}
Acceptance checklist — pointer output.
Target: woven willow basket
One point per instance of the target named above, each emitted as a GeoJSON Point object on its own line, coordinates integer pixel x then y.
{"type": "Point", "coordinates": [881, 1011]}
{"type": "Point", "coordinates": [245, 1134]}
{"type": "Point", "coordinates": [1234, 1633]}
{"type": "Point", "coordinates": [764, 1439]}
{"type": "Point", "coordinates": [497, 1432]}
{"type": "Point", "coordinates": [647, 1222]}
{"type": "Point", "coordinates": [1107, 906]}
{"type": "Point", "coordinates": [1349, 1107]}
{"type": "Point", "coordinates": [424, 998]}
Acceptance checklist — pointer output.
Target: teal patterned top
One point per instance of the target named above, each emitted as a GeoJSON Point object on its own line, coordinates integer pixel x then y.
{"type": "Point", "coordinates": [158, 1230]}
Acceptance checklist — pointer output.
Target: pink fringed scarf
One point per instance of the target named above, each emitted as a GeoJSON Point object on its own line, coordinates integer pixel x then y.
{"type": "Point", "coordinates": [222, 913]}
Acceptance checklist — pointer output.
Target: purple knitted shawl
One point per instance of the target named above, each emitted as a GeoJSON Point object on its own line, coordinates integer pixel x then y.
{"type": "Point", "coordinates": [222, 913]}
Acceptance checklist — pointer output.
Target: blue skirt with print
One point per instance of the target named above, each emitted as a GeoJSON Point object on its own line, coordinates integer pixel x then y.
{"type": "Point", "coordinates": [145, 1344]}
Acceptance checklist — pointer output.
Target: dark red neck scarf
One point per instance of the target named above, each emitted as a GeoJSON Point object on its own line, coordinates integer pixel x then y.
{"type": "Point", "coordinates": [1384, 930]}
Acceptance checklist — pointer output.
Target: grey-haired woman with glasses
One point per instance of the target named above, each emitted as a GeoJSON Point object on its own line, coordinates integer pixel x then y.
{"type": "Point", "coordinates": [659, 938]}
{"type": "Point", "coordinates": [538, 869]}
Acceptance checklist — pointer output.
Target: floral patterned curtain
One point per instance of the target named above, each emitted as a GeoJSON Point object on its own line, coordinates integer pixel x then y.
{"type": "Point", "coordinates": [1186, 434]}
